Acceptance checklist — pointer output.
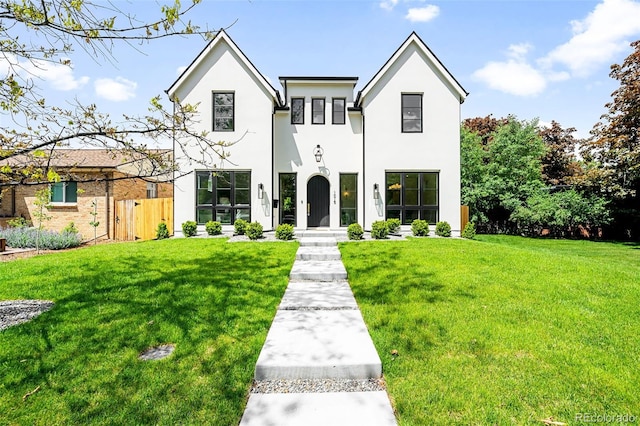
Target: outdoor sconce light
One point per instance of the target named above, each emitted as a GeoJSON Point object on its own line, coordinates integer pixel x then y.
{"type": "Point", "coordinates": [260, 191]}
{"type": "Point", "coordinates": [317, 152]}
{"type": "Point", "coordinates": [376, 191]}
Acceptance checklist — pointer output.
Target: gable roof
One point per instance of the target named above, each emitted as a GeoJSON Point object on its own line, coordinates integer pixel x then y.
{"type": "Point", "coordinates": [413, 38]}
{"type": "Point", "coordinates": [210, 47]}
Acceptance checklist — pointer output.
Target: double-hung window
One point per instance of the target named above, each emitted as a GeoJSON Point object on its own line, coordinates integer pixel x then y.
{"type": "Point", "coordinates": [337, 110]}
{"type": "Point", "coordinates": [412, 195]}
{"type": "Point", "coordinates": [223, 196]}
{"type": "Point", "coordinates": [64, 192]}
{"type": "Point", "coordinates": [317, 110]}
{"type": "Point", "coordinates": [411, 113]}
{"type": "Point", "coordinates": [223, 111]}
{"type": "Point", "coordinates": [297, 110]}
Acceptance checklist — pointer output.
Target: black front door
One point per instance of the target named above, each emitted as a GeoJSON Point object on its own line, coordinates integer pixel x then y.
{"type": "Point", "coordinates": [317, 202]}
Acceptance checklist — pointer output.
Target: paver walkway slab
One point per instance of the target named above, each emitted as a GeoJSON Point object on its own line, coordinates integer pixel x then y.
{"type": "Point", "coordinates": [316, 344]}
{"type": "Point", "coordinates": [318, 270]}
{"type": "Point", "coordinates": [318, 253]}
{"type": "Point", "coordinates": [319, 409]}
{"type": "Point", "coordinates": [309, 294]}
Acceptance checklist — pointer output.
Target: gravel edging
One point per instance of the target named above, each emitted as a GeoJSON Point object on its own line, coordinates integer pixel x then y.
{"type": "Point", "coordinates": [14, 312]}
{"type": "Point", "coordinates": [317, 386]}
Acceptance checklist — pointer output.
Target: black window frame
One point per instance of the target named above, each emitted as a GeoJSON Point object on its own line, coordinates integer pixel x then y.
{"type": "Point", "coordinates": [233, 111]}
{"type": "Point", "coordinates": [292, 108]}
{"type": "Point", "coordinates": [290, 218]}
{"type": "Point", "coordinates": [405, 120]}
{"type": "Point", "coordinates": [421, 207]}
{"type": "Point", "coordinates": [64, 185]}
{"type": "Point", "coordinates": [313, 110]}
{"type": "Point", "coordinates": [342, 114]}
{"type": "Point", "coordinates": [233, 206]}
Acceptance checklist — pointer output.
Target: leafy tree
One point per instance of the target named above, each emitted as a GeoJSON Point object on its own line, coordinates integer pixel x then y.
{"type": "Point", "coordinates": [484, 127]}
{"type": "Point", "coordinates": [473, 174]}
{"type": "Point", "coordinates": [559, 164]}
{"type": "Point", "coordinates": [38, 33]}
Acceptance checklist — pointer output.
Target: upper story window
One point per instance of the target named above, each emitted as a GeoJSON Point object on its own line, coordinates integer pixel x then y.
{"type": "Point", "coordinates": [337, 110]}
{"type": "Point", "coordinates": [297, 110]}
{"type": "Point", "coordinates": [64, 192]}
{"type": "Point", "coordinates": [411, 113]}
{"type": "Point", "coordinates": [317, 111]}
{"type": "Point", "coordinates": [223, 111]}
{"type": "Point", "coordinates": [152, 190]}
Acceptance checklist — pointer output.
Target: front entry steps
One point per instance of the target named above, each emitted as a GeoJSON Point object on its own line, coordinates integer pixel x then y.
{"type": "Point", "coordinates": [318, 365]}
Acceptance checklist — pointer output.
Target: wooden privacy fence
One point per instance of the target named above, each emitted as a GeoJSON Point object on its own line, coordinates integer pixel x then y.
{"type": "Point", "coordinates": [139, 219]}
{"type": "Point", "coordinates": [464, 217]}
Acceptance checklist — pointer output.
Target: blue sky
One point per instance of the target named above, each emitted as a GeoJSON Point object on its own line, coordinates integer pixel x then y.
{"type": "Point", "coordinates": [544, 59]}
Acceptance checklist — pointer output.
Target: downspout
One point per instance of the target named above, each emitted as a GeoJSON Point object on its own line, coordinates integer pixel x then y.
{"type": "Point", "coordinates": [13, 201]}
{"type": "Point", "coordinates": [273, 166]}
{"type": "Point", "coordinates": [364, 181]}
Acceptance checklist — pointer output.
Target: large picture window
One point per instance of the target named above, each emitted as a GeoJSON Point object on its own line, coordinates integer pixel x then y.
{"type": "Point", "coordinates": [64, 192]}
{"type": "Point", "coordinates": [223, 196]}
{"type": "Point", "coordinates": [412, 195]}
{"type": "Point", "coordinates": [348, 199]}
{"type": "Point", "coordinates": [297, 110]}
{"type": "Point", "coordinates": [411, 113]}
{"type": "Point", "coordinates": [223, 112]}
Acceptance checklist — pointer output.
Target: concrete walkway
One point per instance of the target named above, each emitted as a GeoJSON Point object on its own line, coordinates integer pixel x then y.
{"type": "Point", "coordinates": [318, 335]}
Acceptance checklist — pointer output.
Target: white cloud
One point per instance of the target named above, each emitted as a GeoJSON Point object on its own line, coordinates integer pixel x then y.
{"type": "Point", "coordinates": [388, 4]}
{"type": "Point", "coordinates": [60, 77]}
{"type": "Point", "coordinates": [599, 38]}
{"type": "Point", "coordinates": [423, 14]}
{"type": "Point", "coordinates": [117, 90]}
{"type": "Point", "coordinates": [515, 75]}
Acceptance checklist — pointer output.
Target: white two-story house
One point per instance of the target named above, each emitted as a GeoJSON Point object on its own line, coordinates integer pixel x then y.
{"type": "Point", "coordinates": [318, 154]}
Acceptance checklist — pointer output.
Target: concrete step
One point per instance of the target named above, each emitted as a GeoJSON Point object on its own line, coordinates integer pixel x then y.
{"type": "Point", "coordinates": [318, 242]}
{"type": "Point", "coordinates": [327, 233]}
{"type": "Point", "coordinates": [318, 253]}
{"type": "Point", "coordinates": [318, 295]}
{"type": "Point", "coordinates": [319, 409]}
{"type": "Point", "coordinates": [317, 344]}
{"type": "Point", "coordinates": [318, 270]}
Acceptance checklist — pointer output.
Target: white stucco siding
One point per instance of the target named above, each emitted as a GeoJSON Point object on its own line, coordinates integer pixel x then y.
{"type": "Point", "coordinates": [223, 71]}
{"type": "Point", "coordinates": [436, 148]}
{"type": "Point", "coordinates": [341, 143]}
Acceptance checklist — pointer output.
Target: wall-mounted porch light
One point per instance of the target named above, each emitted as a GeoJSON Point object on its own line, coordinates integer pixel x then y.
{"type": "Point", "coordinates": [318, 152]}
{"type": "Point", "coordinates": [260, 191]}
{"type": "Point", "coordinates": [376, 191]}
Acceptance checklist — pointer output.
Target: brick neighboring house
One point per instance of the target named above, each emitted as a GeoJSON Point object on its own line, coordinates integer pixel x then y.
{"type": "Point", "coordinates": [87, 175]}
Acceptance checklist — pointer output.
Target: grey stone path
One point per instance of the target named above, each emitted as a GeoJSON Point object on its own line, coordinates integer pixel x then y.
{"type": "Point", "coordinates": [317, 337]}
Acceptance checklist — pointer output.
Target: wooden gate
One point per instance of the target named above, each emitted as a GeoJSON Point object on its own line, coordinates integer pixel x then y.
{"type": "Point", "coordinates": [139, 219]}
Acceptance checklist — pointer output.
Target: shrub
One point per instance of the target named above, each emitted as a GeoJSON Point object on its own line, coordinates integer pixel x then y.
{"type": "Point", "coordinates": [354, 231]}
{"type": "Point", "coordinates": [469, 231]}
{"type": "Point", "coordinates": [18, 222]}
{"type": "Point", "coordinates": [23, 237]}
{"type": "Point", "coordinates": [240, 226]}
{"type": "Point", "coordinates": [443, 229]}
{"type": "Point", "coordinates": [70, 228]}
{"type": "Point", "coordinates": [379, 230]}
{"type": "Point", "coordinates": [420, 228]}
{"type": "Point", "coordinates": [284, 231]}
{"type": "Point", "coordinates": [213, 227]}
{"type": "Point", "coordinates": [253, 230]}
{"type": "Point", "coordinates": [393, 225]}
{"type": "Point", "coordinates": [190, 228]}
{"type": "Point", "coordinates": [162, 232]}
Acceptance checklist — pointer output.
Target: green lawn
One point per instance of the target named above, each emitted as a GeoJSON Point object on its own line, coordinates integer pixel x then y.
{"type": "Point", "coordinates": [215, 301]}
{"type": "Point", "coordinates": [503, 330]}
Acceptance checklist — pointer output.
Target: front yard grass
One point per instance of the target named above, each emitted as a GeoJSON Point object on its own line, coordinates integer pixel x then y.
{"type": "Point", "coordinates": [503, 330]}
{"type": "Point", "coordinates": [215, 301]}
